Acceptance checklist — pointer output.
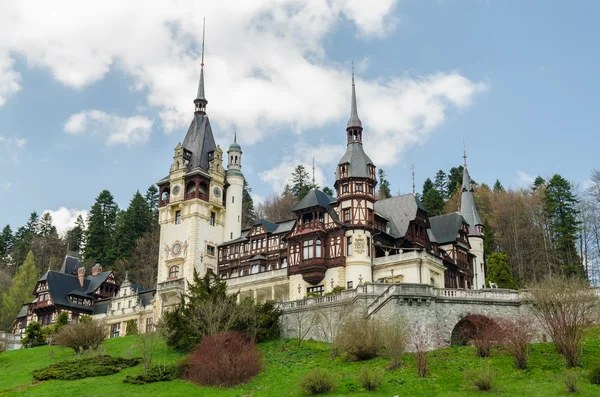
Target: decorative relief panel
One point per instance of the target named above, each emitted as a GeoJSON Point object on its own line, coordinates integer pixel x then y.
{"type": "Point", "coordinates": [360, 245]}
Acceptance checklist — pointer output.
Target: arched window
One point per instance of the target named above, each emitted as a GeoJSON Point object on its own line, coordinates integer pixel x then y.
{"type": "Point", "coordinates": [165, 196]}
{"type": "Point", "coordinates": [317, 248]}
{"type": "Point", "coordinates": [191, 188]}
{"type": "Point", "coordinates": [174, 272]}
{"type": "Point", "coordinates": [236, 160]}
{"type": "Point", "coordinates": [307, 249]}
{"type": "Point", "coordinates": [203, 188]}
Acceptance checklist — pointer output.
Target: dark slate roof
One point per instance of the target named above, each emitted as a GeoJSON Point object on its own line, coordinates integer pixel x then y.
{"type": "Point", "coordinates": [70, 265]}
{"type": "Point", "coordinates": [354, 120]}
{"type": "Point", "coordinates": [147, 296]}
{"type": "Point", "coordinates": [285, 226]}
{"type": "Point", "coordinates": [445, 227]}
{"type": "Point", "coordinates": [101, 307]}
{"type": "Point", "coordinates": [200, 141]}
{"type": "Point", "coordinates": [95, 281]}
{"type": "Point", "coordinates": [61, 285]}
{"type": "Point", "coordinates": [280, 227]}
{"type": "Point", "coordinates": [358, 160]}
{"type": "Point", "coordinates": [269, 226]}
{"type": "Point", "coordinates": [23, 311]}
{"type": "Point", "coordinates": [467, 204]}
{"type": "Point", "coordinates": [399, 211]}
{"type": "Point", "coordinates": [314, 198]}
{"type": "Point", "coordinates": [79, 293]}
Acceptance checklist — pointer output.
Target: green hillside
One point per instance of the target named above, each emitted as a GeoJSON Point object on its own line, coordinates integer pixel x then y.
{"type": "Point", "coordinates": [284, 370]}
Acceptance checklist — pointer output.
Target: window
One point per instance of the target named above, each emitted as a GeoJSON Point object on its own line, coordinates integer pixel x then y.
{"type": "Point", "coordinates": [359, 187]}
{"type": "Point", "coordinates": [128, 303]}
{"type": "Point", "coordinates": [283, 262]}
{"type": "Point", "coordinates": [232, 199]}
{"type": "Point", "coordinates": [350, 285]}
{"type": "Point", "coordinates": [174, 272]}
{"type": "Point", "coordinates": [118, 305]}
{"type": "Point", "coordinates": [349, 246]}
{"type": "Point", "coordinates": [368, 246]}
{"type": "Point", "coordinates": [212, 219]}
{"type": "Point", "coordinates": [149, 325]}
{"type": "Point", "coordinates": [231, 236]}
{"type": "Point", "coordinates": [177, 217]}
{"type": "Point", "coordinates": [317, 248]}
{"type": "Point", "coordinates": [210, 250]}
{"type": "Point", "coordinates": [307, 249]}
{"type": "Point", "coordinates": [345, 188]}
{"type": "Point", "coordinates": [115, 330]}
{"type": "Point", "coordinates": [346, 215]}
{"type": "Point", "coordinates": [315, 290]}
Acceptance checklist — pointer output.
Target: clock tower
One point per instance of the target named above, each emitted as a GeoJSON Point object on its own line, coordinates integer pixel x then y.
{"type": "Point", "coordinates": [191, 208]}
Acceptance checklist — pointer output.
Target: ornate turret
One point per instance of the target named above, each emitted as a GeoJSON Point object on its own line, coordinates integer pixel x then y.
{"type": "Point", "coordinates": [234, 155]}
{"type": "Point", "coordinates": [235, 191]}
{"type": "Point", "coordinates": [200, 102]}
{"type": "Point", "coordinates": [467, 203]}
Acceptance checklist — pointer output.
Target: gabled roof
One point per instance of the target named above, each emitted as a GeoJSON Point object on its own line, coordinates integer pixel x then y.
{"type": "Point", "coordinates": [95, 281]}
{"type": "Point", "coordinates": [70, 265]}
{"type": "Point", "coordinates": [268, 226]}
{"type": "Point", "coordinates": [445, 228]}
{"type": "Point", "coordinates": [61, 285]}
{"type": "Point", "coordinates": [357, 159]}
{"type": "Point", "coordinates": [314, 198]}
{"type": "Point", "coordinates": [399, 211]}
{"type": "Point", "coordinates": [200, 141]}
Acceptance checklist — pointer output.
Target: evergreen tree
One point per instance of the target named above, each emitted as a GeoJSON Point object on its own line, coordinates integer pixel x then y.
{"type": "Point", "coordinates": [301, 184]}
{"type": "Point", "coordinates": [427, 186]}
{"type": "Point", "coordinates": [248, 212]}
{"type": "Point", "coordinates": [560, 209]}
{"type": "Point", "coordinates": [46, 226]}
{"type": "Point", "coordinates": [539, 181]}
{"type": "Point", "coordinates": [328, 191]}
{"type": "Point", "coordinates": [20, 292]}
{"type": "Point", "coordinates": [499, 270]}
{"type": "Point", "coordinates": [384, 185]}
{"type": "Point", "coordinates": [131, 225]}
{"type": "Point", "coordinates": [489, 240]}
{"type": "Point", "coordinates": [152, 200]}
{"type": "Point", "coordinates": [75, 236]}
{"type": "Point", "coordinates": [24, 237]}
{"type": "Point", "coordinates": [434, 203]}
{"type": "Point", "coordinates": [100, 231]}
{"type": "Point", "coordinates": [6, 245]}
{"type": "Point", "coordinates": [33, 224]}
{"type": "Point", "coordinates": [455, 177]}
{"type": "Point", "coordinates": [440, 183]}
{"type": "Point", "coordinates": [498, 188]}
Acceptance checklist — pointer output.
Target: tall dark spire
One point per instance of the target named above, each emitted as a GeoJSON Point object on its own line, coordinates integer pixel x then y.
{"type": "Point", "coordinates": [354, 121]}
{"type": "Point", "coordinates": [467, 203]}
{"type": "Point", "coordinates": [201, 100]}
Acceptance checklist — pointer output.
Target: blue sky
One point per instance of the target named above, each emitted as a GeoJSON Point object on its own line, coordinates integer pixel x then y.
{"type": "Point", "coordinates": [94, 99]}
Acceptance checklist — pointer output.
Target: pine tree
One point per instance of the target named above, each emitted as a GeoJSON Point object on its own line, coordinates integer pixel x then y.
{"type": "Point", "coordinates": [498, 188]}
{"type": "Point", "coordinates": [6, 245]}
{"type": "Point", "coordinates": [427, 186]}
{"type": "Point", "coordinates": [300, 183]}
{"type": "Point", "coordinates": [499, 270]}
{"type": "Point", "coordinates": [455, 177]}
{"type": "Point", "coordinates": [248, 213]}
{"type": "Point", "coordinates": [152, 200]}
{"type": "Point", "coordinates": [560, 208]}
{"type": "Point", "coordinates": [20, 292]}
{"type": "Point", "coordinates": [75, 236]}
{"type": "Point", "coordinates": [539, 181]}
{"type": "Point", "coordinates": [384, 185]}
{"type": "Point", "coordinates": [100, 231]}
{"type": "Point", "coordinates": [489, 240]}
{"type": "Point", "coordinates": [46, 225]}
{"type": "Point", "coordinates": [131, 225]}
{"type": "Point", "coordinates": [441, 184]}
{"type": "Point", "coordinates": [328, 191]}
{"type": "Point", "coordinates": [24, 237]}
{"type": "Point", "coordinates": [434, 203]}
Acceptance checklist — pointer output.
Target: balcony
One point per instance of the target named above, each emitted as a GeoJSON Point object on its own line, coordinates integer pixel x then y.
{"type": "Point", "coordinates": [171, 286]}
{"type": "Point", "coordinates": [41, 304]}
{"type": "Point", "coordinates": [193, 195]}
{"type": "Point", "coordinates": [270, 275]}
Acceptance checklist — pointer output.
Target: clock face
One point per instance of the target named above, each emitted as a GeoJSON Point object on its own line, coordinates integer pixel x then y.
{"type": "Point", "coordinates": [176, 190]}
{"type": "Point", "coordinates": [176, 249]}
{"type": "Point", "coordinates": [217, 191]}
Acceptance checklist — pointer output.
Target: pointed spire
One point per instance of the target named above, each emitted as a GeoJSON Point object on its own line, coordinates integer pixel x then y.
{"type": "Point", "coordinates": [201, 100]}
{"type": "Point", "coordinates": [354, 121]}
{"type": "Point", "coordinates": [467, 202]}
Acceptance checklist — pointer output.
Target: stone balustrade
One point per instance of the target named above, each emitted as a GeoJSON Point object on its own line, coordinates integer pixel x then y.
{"type": "Point", "coordinates": [270, 275]}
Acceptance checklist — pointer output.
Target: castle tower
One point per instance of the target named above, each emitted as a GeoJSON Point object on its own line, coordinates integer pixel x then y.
{"type": "Point", "coordinates": [234, 192]}
{"type": "Point", "coordinates": [191, 210]}
{"type": "Point", "coordinates": [476, 230]}
{"type": "Point", "coordinates": [355, 186]}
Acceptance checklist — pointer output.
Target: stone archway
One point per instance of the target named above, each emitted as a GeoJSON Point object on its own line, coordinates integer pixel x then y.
{"type": "Point", "coordinates": [470, 327]}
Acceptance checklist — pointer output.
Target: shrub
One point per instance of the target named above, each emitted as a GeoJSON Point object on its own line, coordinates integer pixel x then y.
{"type": "Point", "coordinates": [360, 338]}
{"type": "Point", "coordinates": [335, 290]}
{"type": "Point", "coordinates": [131, 327]}
{"type": "Point", "coordinates": [516, 335]}
{"type": "Point", "coordinates": [317, 381]}
{"type": "Point", "coordinates": [570, 379]}
{"type": "Point", "coordinates": [482, 379]}
{"type": "Point", "coordinates": [34, 335]}
{"type": "Point", "coordinates": [395, 339]}
{"type": "Point", "coordinates": [84, 319]}
{"type": "Point", "coordinates": [422, 340]}
{"type": "Point", "coordinates": [259, 320]}
{"type": "Point", "coordinates": [369, 379]}
{"type": "Point", "coordinates": [82, 336]}
{"type": "Point", "coordinates": [482, 332]}
{"type": "Point", "coordinates": [225, 359]}
{"type": "Point", "coordinates": [3, 345]}
{"type": "Point", "coordinates": [84, 368]}
{"type": "Point", "coordinates": [565, 307]}
{"type": "Point", "coordinates": [154, 374]}
{"type": "Point", "coordinates": [594, 375]}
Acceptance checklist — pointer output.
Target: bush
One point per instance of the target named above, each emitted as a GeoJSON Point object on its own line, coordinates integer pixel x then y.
{"type": "Point", "coordinates": [3, 345]}
{"type": "Point", "coordinates": [483, 379]}
{"type": "Point", "coordinates": [34, 335]}
{"type": "Point", "coordinates": [225, 359]}
{"type": "Point", "coordinates": [395, 339]}
{"type": "Point", "coordinates": [570, 379]}
{"type": "Point", "coordinates": [516, 335]}
{"type": "Point", "coordinates": [84, 319]}
{"type": "Point", "coordinates": [335, 290]}
{"type": "Point", "coordinates": [360, 338]}
{"type": "Point", "coordinates": [259, 320]}
{"type": "Point", "coordinates": [131, 327]}
{"type": "Point", "coordinates": [483, 332]}
{"type": "Point", "coordinates": [369, 379]}
{"type": "Point", "coordinates": [594, 375]}
{"type": "Point", "coordinates": [84, 368]}
{"type": "Point", "coordinates": [155, 374]}
{"type": "Point", "coordinates": [82, 336]}
{"type": "Point", "coordinates": [317, 381]}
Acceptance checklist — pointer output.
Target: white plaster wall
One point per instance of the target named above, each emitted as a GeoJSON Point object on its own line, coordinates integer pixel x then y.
{"type": "Point", "coordinates": [233, 213]}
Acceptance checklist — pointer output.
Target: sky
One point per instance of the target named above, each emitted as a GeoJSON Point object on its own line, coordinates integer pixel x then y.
{"type": "Point", "coordinates": [96, 97]}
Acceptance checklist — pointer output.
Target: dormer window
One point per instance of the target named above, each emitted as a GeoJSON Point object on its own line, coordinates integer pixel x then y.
{"type": "Point", "coordinates": [359, 187]}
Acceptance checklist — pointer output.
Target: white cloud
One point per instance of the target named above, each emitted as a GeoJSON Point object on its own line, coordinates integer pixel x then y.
{"type": "Point", "coordinates": [525, 179]}
{"type": "Point", "coordinates": [119, 130]}
{"type": "Point", "coordinates": [6, 186]}
{"type": "Point", "coordinates": [64, 218]}
{"type": "Point", "coordinates": [10, 147]}
{"type": "Point", "coordinates": [9, 78]}
{"type": "Point", "coordinates": [266, 66]}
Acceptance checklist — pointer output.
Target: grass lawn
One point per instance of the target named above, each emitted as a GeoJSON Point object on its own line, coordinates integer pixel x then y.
{"type": "Point", "coordinates": [285, 368]}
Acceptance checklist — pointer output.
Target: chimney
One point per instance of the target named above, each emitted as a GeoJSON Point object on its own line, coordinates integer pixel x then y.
{"type": "Point", "coordinates": [81, 275]}
{"type": "Point", "coordinates": [96, 269]}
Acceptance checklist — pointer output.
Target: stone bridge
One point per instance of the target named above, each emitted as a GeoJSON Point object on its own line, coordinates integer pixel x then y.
{"type": "Point", "coordinates": [438, 310]}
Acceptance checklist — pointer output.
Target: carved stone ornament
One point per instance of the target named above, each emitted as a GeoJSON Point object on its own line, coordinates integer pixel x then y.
{"type": "Point", "coordinates": [360, 245]}
{"type": "Point", "coordinates": [177, 250]}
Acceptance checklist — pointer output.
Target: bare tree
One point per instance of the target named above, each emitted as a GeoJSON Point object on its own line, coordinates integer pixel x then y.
{"type": "Point", "coordinates": [329, 322]}
{"type": "Point", "coordinates": [396, 336]}
{"type": "Point", "coordinates": [148, 343]}
{"type": "Point", "coordinates": [422, 341]}
{"type": "Point", "coordinates": [517, 335]}
{"type": "Point", "coordinates": [215, 316]}
{"type": "Point", "coordinates": [276, 208]}
{"type": "Point", "coordinates": [300, 323]}
{"type": "Point", "coordinates": [566, 308]}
